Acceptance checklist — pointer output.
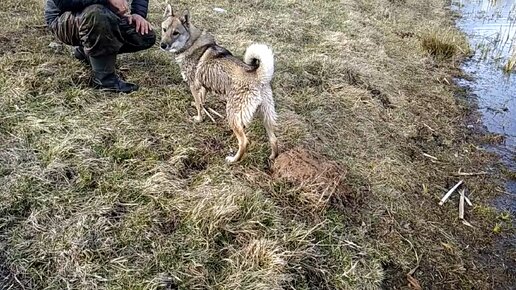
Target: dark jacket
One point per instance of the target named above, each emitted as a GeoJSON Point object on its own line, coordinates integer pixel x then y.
{"type": "Point", "coordinates": [54, 8]}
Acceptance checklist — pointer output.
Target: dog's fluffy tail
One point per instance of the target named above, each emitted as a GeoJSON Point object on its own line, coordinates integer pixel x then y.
{"type": "Point", "coordinates": [264, 55]}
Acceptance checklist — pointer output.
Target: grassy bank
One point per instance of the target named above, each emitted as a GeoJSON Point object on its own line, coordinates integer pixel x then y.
{"type": "Point", "coordinates": [102, 191]}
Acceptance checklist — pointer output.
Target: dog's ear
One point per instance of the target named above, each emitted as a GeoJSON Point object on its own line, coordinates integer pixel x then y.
{"type": "Point", "coordinates": [168, 11]}
{"type": "Point", "coordinates": [185, 19]}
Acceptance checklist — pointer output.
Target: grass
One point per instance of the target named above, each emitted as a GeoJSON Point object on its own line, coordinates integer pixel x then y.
{"type": "Point", "coordinates": [510, 66]}
{"type": "Point", "coordinates": [102, 191]}
{"type": "Point", "coordinates": [444, 43]}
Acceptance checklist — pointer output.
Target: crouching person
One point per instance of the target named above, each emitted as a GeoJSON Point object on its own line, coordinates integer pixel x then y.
{"type": "Point", "coordinates": [100, 30]}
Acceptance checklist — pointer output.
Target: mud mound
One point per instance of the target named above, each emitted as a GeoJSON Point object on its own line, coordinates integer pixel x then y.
{"type": "Point", "coordinates": [319, 181]}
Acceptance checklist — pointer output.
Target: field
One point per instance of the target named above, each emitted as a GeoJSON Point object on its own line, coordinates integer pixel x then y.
{"type": "Point", "coordinates": [106, 191]}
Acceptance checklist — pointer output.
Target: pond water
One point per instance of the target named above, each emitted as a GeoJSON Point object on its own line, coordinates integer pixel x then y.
{"type": "Point", "coordinates": [491, 28]}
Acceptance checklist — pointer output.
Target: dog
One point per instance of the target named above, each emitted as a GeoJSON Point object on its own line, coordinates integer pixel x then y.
{"type": "Point", "coordinates": [207, 67]}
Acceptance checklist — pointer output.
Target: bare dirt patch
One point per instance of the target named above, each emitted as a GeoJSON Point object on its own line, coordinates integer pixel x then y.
{"type": "Point", "coordinates": [320, 182]}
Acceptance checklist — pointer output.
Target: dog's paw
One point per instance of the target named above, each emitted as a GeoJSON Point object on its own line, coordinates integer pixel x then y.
{"type": "Point", "coordinates": [197, 119]}
{"type": "Point", "coordinates": [192, 104]}
{"type": "Point", "coordinates": [231, 159]}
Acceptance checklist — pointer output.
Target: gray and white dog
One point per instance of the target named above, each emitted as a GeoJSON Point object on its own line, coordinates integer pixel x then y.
{"type": "Point", "coordinates": [208, 67]}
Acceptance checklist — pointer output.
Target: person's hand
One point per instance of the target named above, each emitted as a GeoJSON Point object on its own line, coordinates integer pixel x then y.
{"type": "Point", "coordinates": [120, 7]}
{"type": "Point", "coordinates": [142, 26]}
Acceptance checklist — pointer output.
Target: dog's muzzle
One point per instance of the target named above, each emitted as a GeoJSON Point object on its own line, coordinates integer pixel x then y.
{"type": "Point", "coordinates": [168, 48]}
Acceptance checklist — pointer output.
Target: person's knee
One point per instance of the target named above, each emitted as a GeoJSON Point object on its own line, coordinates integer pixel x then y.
{"type": "Point", "coordinates": [148, 40]}
{"type": "Point", "coordinates": [98, 17]}
{"type": "Point", "coordinates": [137, 42]}
{"type": "Point", "coordinates": [98, 30]}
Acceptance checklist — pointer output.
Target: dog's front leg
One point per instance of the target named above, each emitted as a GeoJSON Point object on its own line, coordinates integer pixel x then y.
{"type": "Point", "coordinates": [197, 97]}
{"type": "Point", "coordinates": [202, 95]}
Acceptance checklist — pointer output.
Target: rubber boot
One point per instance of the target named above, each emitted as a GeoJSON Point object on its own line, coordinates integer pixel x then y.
{"type": "Point", "coordinates": [78, 53]}
{"type": "Point", "coordinates": [105, 78]}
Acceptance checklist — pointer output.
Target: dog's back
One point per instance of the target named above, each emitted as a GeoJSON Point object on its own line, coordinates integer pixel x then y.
{"type": "Point", "coordinates": [221, 72]}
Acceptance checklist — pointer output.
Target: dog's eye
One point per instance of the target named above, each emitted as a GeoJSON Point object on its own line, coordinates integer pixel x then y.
{"type": "Point", "coordinates": [175, 33]}
{"type": "Point", "coordinates": [164, 30]}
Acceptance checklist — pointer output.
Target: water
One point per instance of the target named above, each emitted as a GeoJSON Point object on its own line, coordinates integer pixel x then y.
{"type": "Point", "coordinates": [491, 29]}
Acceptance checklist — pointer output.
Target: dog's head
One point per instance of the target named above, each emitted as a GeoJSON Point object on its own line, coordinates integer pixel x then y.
{"type": "Point", "coordinates": [175, 31]}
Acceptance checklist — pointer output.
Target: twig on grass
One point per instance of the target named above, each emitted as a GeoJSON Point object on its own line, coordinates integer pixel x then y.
{"type": "Point", "coordinates": [430, 128]}
{"type": "Point", "coordinates": [449, 193]}
{"type": "Point", "coordinates": [461, 205]}
{"type": "Point", "coordinates": [466, 223]}
{"type": "Point", "coordinates": [413, 283]}
{"type": "Point", "coordinates": [460, 173]}
{"type": "Point", "coordinates": [216, 113]}
{"type": "Point", "coordinates": [208, 114]}
{"type": "Point", "coordinates": [430, 156]}
{"type": "Point", "coordinates": [468, 201]}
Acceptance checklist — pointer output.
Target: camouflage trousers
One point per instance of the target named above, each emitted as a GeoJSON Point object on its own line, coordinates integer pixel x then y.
{"type": "Point", "coordinates": [100, 31]}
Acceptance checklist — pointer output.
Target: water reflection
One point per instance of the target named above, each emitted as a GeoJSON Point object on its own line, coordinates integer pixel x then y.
{"type": "Point", "coordinates": [491, 28]}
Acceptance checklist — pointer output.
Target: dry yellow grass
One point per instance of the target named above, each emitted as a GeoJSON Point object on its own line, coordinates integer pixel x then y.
{"type": "Point", "coordinates": [444, 43]}
{"type": "Point", "coordinates": [510, 66]}
{"type": "Point", "coordinates": [102, 191]}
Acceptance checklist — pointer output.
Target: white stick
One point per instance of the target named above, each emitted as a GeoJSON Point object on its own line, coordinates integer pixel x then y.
{"type": "Point", "coordinates": [461, 205]}
{"type": "Point", "coordinates": [216, 113]}
{"type": "Point", "coordinates": [471, 173]}
{"type": "Point", "coordinates": [430, 156]}
{"type": "Point", "coordinates": [213, 120]}
{"type": "Point", "coordinates": [449, 193]}
{"type": "Point", "coordinates": [431, 129]}
{"type": "Point", "coordinates": [468, 201]}
{"type": "Point", "coordinates": [466, 223]}
{"type": "Point", "coordinates": [219, 10]}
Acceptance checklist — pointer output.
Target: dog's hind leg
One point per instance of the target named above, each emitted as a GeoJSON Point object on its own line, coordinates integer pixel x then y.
{"type": "Point", "coordinates": [269, 120]}
{"type": "Point", "coordinates": [238, 129]}
{"type": "Point", "coordinates": [240, 111]}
